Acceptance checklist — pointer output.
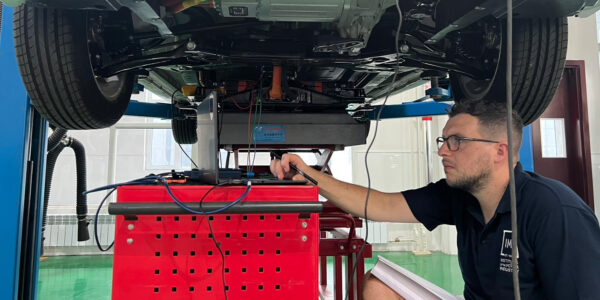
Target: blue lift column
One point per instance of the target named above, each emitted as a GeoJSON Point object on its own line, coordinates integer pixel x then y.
{"type": "Point", "coordinates": [526, 151]}
{"type": "Point", "coordinates": [22, 152]}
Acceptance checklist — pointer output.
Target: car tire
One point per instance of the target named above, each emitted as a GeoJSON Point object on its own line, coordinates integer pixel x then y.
{"type": "Point", "coordinates": [539, 52]}
{"type": "Point", "coordinates": [184, 130]}
{"type": "Point", "coordinates": [53, 56]}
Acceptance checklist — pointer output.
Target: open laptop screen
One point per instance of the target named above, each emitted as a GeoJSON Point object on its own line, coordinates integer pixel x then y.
{"type": "Point", "coordinates": [208, 141]}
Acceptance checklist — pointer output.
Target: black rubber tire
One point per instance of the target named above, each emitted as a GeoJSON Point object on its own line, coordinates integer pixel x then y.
{"type": "Point", "coordinates": [53, 57]}
{"type": "Point", "coordinates": [539, 53]}
{"type": "Point", "coordinates": [184, 130]}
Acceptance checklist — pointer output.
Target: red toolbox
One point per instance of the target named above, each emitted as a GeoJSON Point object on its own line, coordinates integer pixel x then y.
{"type": "Point", "coordinates": [267, 256]}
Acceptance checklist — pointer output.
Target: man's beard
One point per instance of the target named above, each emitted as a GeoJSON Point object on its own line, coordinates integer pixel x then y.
{"type": "Point", "coordinates": [471, 184]}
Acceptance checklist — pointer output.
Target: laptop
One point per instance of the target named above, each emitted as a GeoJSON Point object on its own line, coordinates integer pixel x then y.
{"type": "Point", "coordinates": [207, 130]}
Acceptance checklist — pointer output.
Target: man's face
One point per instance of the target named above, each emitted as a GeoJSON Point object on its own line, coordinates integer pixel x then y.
{"type": "Point", "coordinates": [470, 166]}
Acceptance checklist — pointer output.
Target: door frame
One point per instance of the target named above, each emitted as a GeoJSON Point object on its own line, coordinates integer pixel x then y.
{"type": "Point", "coordinates": [577, 89]}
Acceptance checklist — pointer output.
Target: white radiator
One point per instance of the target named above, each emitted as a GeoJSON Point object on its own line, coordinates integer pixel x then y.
{"type": "Point", "coordinates": [61, 231]}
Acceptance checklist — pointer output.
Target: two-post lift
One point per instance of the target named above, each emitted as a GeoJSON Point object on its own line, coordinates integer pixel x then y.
{"type": "Point", "coordinates": [23, 151]}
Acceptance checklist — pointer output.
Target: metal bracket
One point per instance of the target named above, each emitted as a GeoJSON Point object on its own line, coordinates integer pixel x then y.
{"type": "Point", "coordinates": [323, 159]}
{"type": "Point", "coordinates": [496, 8]}
{"type": "Point", "coordinates": [145, 12]}
{"type": "Point", "coordinates": [439, 94]}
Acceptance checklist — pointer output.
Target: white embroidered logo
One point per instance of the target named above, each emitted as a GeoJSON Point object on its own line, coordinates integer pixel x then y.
{"type": "Point", "coordinates": [506, 252]}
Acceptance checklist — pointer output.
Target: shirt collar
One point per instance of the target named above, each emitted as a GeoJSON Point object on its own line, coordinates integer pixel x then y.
{"type": "Point", "coordinates": [520, 177]}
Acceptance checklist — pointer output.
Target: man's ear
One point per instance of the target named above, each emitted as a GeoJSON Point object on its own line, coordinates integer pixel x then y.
{"type": "Point", "coordinates": [501, 152]}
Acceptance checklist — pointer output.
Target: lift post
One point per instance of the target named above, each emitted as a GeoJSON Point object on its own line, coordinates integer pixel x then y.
{"type": "Point", "coordinates": [22, 148]}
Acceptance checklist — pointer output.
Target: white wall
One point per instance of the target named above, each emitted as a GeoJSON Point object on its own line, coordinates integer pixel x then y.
{"type": "Point", "coordinates": [397, 162]}
{"type": "Point", "coordinates": [130, 164]}
{"type": "Point", "coordinates": [583, 45]}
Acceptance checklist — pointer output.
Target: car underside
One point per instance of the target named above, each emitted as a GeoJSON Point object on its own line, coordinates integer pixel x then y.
{"type": "Point", "coordinates": [295, 56]}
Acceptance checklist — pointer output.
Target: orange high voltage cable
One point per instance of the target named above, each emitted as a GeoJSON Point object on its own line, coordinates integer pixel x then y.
{"type": "Point", "coordinates": [276, 93]}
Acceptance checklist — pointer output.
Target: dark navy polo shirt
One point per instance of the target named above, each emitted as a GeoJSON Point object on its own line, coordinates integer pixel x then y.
{"type": "Point", "coordinates": [559, 239]}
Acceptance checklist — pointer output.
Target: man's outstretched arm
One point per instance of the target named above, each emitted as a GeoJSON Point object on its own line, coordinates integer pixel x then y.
{"type": "Point", "coordinates": [389, 207]}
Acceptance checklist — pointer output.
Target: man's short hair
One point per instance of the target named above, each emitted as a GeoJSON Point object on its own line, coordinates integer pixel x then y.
{"type": "Point", "coordinates": [492, 119]}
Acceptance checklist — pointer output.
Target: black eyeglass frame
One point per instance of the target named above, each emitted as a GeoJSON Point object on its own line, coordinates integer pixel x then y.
{"type": "Point", "coordinates": [446, 140]}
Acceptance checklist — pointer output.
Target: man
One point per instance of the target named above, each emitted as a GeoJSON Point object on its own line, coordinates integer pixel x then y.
{"type": "Point", "coordinates": [559, 235]}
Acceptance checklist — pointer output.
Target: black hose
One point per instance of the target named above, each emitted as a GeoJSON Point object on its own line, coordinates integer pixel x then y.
{"type": "Point", "coordinates": [56, 143]}
{"type": "Point", "coordinates": [82, 210]}
{"type": "Point", "coordinates": [53, 152]}
{"type": "Point", "coordinates": [56, 136]}
{"type": "Point", "coordinates": [50, 163]}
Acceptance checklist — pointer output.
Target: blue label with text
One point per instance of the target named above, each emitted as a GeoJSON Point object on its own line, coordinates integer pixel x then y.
{"type": "Point", "coordinates": [269, 134]}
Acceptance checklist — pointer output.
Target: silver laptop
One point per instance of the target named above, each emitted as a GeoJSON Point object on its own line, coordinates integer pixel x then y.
{"type": "Point", "coordinates": [208, 140]}
{"type": "Point", "coordinates": [208, 147]}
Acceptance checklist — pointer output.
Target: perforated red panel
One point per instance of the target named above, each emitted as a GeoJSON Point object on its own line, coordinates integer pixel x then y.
{"type": "Point", "coordinates": [267, 256]}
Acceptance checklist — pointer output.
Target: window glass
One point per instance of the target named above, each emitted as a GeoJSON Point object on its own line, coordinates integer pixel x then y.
{"type": "Point", "coordinates": [553, 138]}
{"type": "Point", "coordinates": [162, 152]}
{"type": "Point", "coordinates": [598, 26]}
{"type": "Point", "coordinates": [185, 161]}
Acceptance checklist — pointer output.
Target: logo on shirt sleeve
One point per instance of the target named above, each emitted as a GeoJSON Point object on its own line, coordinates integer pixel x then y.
{"type": "Point", "coordinates": [506, 251]}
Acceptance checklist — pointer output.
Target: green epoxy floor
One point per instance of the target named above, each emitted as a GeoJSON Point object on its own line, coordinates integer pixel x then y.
{"type": "Point", "coordinates": [75, 277]}
{"type": "Point", "coordinates": [90, 277]}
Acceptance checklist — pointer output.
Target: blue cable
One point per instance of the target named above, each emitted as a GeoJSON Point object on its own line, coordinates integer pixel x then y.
{"type": "Point", "coordinates": [141, 181]}
{"type": "Point", "coordinates": [152, 179]}
{"type": "Point", "coordinates": [96, 224]}
{"type": "Point", "coordinates": [216, 211]}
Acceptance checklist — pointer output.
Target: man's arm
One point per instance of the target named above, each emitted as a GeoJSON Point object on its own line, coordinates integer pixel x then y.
{"type": "Point", "coordinates": [388, 207]}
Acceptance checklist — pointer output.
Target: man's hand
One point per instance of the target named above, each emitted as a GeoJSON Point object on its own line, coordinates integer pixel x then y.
{"type": "Point", "coordinates": [281, 168]}
{"type": "Point", "coordinates": [391, 207]}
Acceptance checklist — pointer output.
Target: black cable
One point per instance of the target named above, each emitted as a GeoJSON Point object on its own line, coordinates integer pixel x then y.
{"type": "Point", "coordinates": [215, 239]}
{"type": "Point", "coordinates": [254, 136]}
{"type": "Point", "coordinates": [96, 223]}
{"type": "Point", "coordinates": [180, 147]}
{"type": "Point", "coordinates": [173, 102]}
{"type": "Point", "coordinates": [513, 196]}
{"type": "Point", "coordinates": [148, 180]}
{"type": "Point", "coordinates": [362, 248]}
{"type": "Point", "coordinates": [145, 180]}
{"type": "Point", "coordinates": [152, 179]}
{"type": "Point", "coordinates": [227, 160]}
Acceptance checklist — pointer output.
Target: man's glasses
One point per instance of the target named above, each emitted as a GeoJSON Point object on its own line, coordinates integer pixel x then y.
{"type": "Point", "coordinates": [453, 142]}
